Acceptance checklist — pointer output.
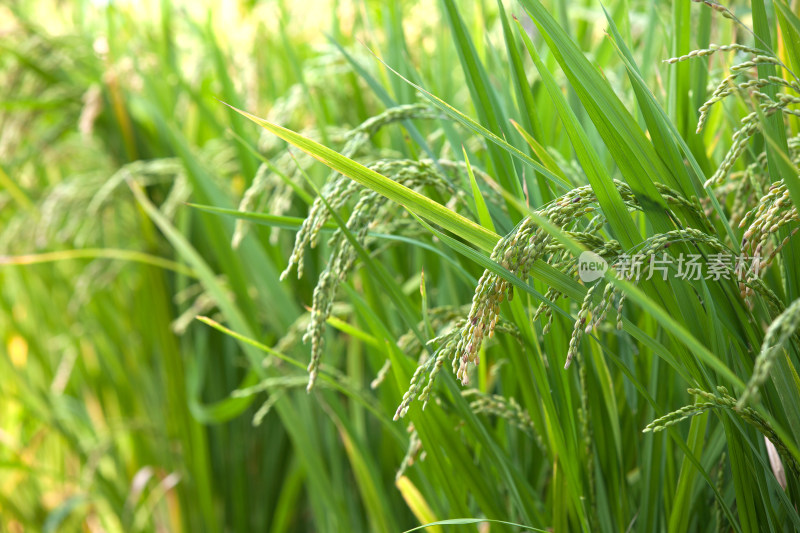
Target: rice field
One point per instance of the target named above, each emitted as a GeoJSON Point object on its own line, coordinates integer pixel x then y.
{"type": "Point", "coordinates": [525, 265]}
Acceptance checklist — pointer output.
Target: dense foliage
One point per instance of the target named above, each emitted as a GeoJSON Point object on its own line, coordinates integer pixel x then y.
{"type": "Point", "coordinates": [367, 310]}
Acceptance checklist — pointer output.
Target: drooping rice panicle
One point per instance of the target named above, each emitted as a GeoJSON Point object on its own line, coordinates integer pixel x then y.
{"type": "Point", "coordinates": [773, 212]}
{"type": "Point", "coordinates": [431, 365]}
{"type": "Point", "coordinates": [723, 400]}
{"type": "Point", "coordinates": [527, 243]}
{"type": "Point", "coordinates": [506, 408]}
{"type": "Point", "coordinates": [712, 49]}
{"type": "Point", "coordinates": [382, 373]}
{"type": "Point", "coordinates": [677, 416]}
{"type": "Point", "coordinates": [719, 8]}
{"type": "Point", "coordinates": [338, 189]}
{"type": "Point", "coordinates": [778, 333]}
{"type": "Point", "coordinates": [750, 126]}
{"type": "Point", "coordinates": [371, 209]}
{"type": "Point", "coordinates": [413, 453]}
{"type": "Point", "coordinates": [580, 325]}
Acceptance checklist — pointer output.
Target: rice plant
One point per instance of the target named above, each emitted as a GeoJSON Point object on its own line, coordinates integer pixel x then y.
{"type": "Point", "coordinates": [545, 252]}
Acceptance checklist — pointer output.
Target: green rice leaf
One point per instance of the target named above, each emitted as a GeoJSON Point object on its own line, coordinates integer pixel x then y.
{"type": "Point", "coordinates": [410, 199]}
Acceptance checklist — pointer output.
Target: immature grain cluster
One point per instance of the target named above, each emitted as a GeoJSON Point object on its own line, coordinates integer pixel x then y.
{"type": "Point", "coordinates": [414, 452]}
{"type": "Point", "coordinates": [516, 252]}
{"type": "Point", "coordinates": [371, 209]}
{"type": "Point", "coordinates": [773, 212]}
{"type": "Point", "coordinates": [506, 408]}
{"type": "Point", "coordinates": [723, 400]}
{"type": "Point", "coordinates": [338, 189]}
{"type": "Point", "coordinates": [598, 313]}
{"type": "Point", "coordinates": [528, 243]}
{"type": "Point", "coordinates": [271, 190]}
{"type": "Point", "coordinates": [446, 345]}
{"type": "Point", "coordinates": [653, 251]}
{"type": "Point", "coordinates": [767, 105]}
{"type": "Point", "coordinates": [91, 194]}
{"type": "Point", "coordinates": [783, 328]}
{"type": "Point", "coordinates": [577, 215]}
